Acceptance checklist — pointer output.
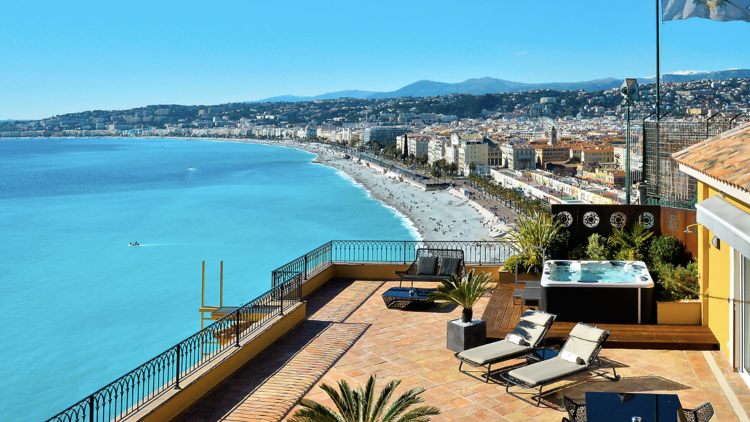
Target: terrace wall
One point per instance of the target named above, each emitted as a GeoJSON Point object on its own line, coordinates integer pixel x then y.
{"type": "Point", "coordinates": [583, 220]}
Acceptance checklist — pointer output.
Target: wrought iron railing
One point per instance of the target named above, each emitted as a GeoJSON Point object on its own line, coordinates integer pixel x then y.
{"type": "Point", "coordinates": [137, 388]}
{"type": "Point", "coordinates": [395, 251]}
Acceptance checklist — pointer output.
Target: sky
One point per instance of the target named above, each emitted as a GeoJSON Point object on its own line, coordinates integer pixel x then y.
{"type": "Point", "coordinates": [60, 57]}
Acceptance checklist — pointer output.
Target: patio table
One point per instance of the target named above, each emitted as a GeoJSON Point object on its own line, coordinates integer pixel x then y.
{"type": "Point", "coordinates": [622, 407]}
{"type": "Point", "coordinates": [407, 298]}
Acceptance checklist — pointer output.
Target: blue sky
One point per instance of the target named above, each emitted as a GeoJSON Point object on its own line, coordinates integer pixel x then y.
{"type": "Point", "coordinates": [58, 57]}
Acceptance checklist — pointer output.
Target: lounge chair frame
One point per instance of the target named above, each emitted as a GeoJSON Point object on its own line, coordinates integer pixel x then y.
{"type": "Point", "coordinates": [534, 348]}
{"type": "Point", "coordinates": [594, 360]}
{"type": "Point", "coordinates": [411, 273]}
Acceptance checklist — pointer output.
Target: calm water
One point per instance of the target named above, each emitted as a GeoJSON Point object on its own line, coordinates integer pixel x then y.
{"type": "Point", "coordinates": [84, 308]}
{"type": "Point", "coordinates": [594, 272]}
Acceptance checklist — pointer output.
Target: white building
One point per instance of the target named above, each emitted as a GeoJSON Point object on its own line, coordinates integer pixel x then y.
{"type": "Point", "coordinates": [518, 157]}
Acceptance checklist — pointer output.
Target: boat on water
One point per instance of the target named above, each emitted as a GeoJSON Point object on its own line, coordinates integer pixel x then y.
{"type": "Point", "coordinates": [192, 168]}
{"type": "Point", "coordinates": [134, 244]}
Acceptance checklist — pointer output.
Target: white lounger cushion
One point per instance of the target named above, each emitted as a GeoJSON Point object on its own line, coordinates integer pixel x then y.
{"type": "Point", "coordinates": [537, 317]}
{"type": "Point", "coordinates": [583, 341]}
{"type": "Point", "coordinates": [544, 371]}
{"type": "Point", "coordinates": [493, 351]}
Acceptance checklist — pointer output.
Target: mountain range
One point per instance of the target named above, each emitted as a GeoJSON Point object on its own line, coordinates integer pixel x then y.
{"type": "Point", "coordinates": [489, 85]}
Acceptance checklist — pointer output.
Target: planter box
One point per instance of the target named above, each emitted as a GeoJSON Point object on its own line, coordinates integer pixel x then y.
{"type": "Point", "coordinates": [680, 312]}
{"type": "Point", "coordinates": [462, 337]}
{"type": "Point", "coordinates": [503, 277]}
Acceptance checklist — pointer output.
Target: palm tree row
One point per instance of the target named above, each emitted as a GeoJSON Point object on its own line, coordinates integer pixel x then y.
{"type": "Point", "coordinates": [512, 197]}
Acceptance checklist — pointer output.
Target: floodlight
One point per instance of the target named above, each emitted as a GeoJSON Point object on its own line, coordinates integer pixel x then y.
{"type": "Point", "coordinates": [629, 89]}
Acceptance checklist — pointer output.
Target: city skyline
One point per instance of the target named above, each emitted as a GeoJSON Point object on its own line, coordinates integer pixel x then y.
{"type": "Point", "coordinates": [64, 58]}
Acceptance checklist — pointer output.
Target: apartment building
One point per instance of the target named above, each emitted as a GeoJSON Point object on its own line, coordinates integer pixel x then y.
{"type": "Point", "coordinates": [589, 155]}
{"type": "Point", "coordinates": [518, 157]}
{"type": "Point", "coordinates": [383, 133]}
{"type": "Point", "coordinates": [550, 153]}
{"type": "Point", "coordinates": [418, 144]}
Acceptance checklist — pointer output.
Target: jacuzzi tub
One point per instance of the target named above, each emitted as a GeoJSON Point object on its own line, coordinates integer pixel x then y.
{"type": "Point", "coordinates": [615, 292]}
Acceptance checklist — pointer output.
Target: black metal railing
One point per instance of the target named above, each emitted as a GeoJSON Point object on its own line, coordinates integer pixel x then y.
{"type": "Point", "coordinates": [395, 251]}
{"type": "Point", "coordinates": [137, 388]}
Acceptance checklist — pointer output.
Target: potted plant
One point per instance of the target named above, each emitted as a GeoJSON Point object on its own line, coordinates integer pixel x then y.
{"type": "Point", "coordinates": [676, 277]}
{"type": "Point", "coordinates": [537, 229]}
{"type": "Point", "coordinates": [678, 302]}
{"type": "Point", "coordinates": [464, 292]}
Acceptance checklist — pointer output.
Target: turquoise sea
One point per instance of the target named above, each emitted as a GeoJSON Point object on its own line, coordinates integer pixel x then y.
{"type": "Point", "coordinates": [83, 308]}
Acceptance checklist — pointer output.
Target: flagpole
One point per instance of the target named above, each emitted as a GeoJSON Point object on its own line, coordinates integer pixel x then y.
{"type": "Point", "coordinates": [657, 67]}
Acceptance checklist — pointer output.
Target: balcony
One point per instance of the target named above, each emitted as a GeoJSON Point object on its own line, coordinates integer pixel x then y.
{"type": "Point", "coordinates": [324, 321]}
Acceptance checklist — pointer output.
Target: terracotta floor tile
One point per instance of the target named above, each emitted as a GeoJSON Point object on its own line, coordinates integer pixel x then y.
{"type": "Point", "coordinates": [350, 334]}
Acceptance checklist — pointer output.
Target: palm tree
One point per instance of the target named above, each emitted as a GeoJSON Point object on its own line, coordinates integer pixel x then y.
{"type": "Point", "coordinates": [632, 243]}
{"type": "Point", "coordinates": [534, 229]}
{"type": "Point", "coordinates": [358, 406]}
{"type": "Point", "coordinates": [464, 292]}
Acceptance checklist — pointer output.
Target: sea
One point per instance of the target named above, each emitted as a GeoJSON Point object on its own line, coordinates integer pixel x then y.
{"type": "Point", "coordinates": [83, 308]}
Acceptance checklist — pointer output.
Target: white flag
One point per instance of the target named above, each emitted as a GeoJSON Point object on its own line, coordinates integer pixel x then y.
{"type": "Point", "coordinates": [717, 10]}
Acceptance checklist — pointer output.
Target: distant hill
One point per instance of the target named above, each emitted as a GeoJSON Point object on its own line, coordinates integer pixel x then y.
{"type": "Point", "coordinates": [351, 93]}
{"type": "Point", "coordinates": [697, 75]}
{"type": "Point", "coordinates": [491, 86]}
{"type": "Point", "coordinates": [425, 88]}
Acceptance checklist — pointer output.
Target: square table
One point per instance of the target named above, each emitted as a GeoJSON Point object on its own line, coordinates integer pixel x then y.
{"type": "Point", "coordinates": [407, 298]}
{"type": "Point", "coordinates": [621, 407]}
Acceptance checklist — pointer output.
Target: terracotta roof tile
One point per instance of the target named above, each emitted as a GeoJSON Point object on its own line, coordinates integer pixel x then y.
{"type": "Point", "coordinates": [725, 157]}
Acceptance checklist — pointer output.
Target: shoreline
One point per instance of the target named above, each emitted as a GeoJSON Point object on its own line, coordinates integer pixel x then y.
{"type": "Point", "coordinates": [439, 215]}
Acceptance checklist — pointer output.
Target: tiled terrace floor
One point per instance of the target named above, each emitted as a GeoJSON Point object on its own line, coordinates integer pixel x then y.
{"type": "Point", "coordinates": [350, 334]}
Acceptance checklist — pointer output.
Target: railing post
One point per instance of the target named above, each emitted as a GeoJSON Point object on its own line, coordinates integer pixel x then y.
{"type": "Point", "coordinates": [305, 266]}
{"type": "Point", "coordinates": [281, 296]}
{"type": "Point", "coordinates": [177, 369]}
{"type": "Point", "coordinates": [91, 408]}
{"type": "Point", "coordinates": [237, 324]}
{"type": "Point", "coordinates": [404, 252]}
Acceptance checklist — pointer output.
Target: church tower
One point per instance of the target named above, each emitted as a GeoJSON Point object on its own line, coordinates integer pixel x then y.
{"type": "Point", "coordinates": [553, 136]}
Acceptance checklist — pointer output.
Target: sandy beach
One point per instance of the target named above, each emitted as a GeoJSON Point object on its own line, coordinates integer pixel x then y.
{"type": "Point", "coordinates": [435, 215]}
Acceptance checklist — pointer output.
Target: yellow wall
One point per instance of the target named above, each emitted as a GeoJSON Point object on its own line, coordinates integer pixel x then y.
{"type": "Point", "coordinates": [175, 402]}
{"type": "Point", "coordinates": [714, 266]}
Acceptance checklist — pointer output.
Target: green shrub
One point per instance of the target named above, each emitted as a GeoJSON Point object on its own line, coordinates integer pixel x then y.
{"type": "Point", "coordinates": [628, 254]}
{"type": "Point", "coordinates": [510, 264]}
{"type": "Point", "coordinates": [631, 242]}
{"type": "Point", "coordinates": [559, 245]}
{"type": "Point", "coordinates": [598, 248]}
{"type": "Point", "coordinates": [678, 282]}
{"type": "Point", "coordinates": [666, 250]}
{"type": "Point", "coordinates": [577, 253]}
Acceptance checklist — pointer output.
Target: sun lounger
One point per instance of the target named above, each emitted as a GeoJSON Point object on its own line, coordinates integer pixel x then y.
{"type": "Point", "coordinates": [577, 355]}
{"type": "Point", "coordinates": [531, 330]}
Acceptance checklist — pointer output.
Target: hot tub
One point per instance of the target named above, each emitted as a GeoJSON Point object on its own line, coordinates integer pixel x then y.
{"type": "Point", "coordinates": [614, 292]}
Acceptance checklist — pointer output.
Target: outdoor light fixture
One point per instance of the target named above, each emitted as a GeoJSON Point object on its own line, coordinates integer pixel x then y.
{"type": "Point", "coordinates": [629, 92]}
{"type": "Point", "coordinates": [716, 242]}
{"type": "Point", "coordinates": [687, 229]}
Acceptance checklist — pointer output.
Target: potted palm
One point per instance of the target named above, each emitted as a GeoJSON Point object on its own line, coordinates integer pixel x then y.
{"type": "Point", "coordinates": [465, 292]}
{"type": "Point", "coordinates": [359, 405]}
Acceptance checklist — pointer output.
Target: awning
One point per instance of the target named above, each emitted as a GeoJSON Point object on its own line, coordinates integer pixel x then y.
{"type": "Point", "coordinates": [728, 222]}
